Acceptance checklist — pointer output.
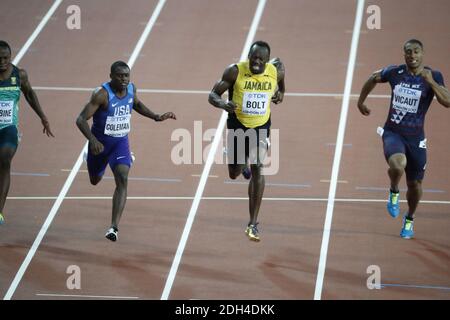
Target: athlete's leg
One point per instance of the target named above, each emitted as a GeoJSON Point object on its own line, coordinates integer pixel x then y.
{"type": "Point", "coordinates": [397, 164]}
{"type": "Point", "coordinates": [395, 154]}
{"type": "Point", "coordinates": [236, 155]}
{"type": "Point", "coordinates": [394, 148]}
{"type": "Point", "coordinates": [96, 166]}
{"type": "Point", "coordinates": [255, 192]}
{"type": "Point", "coordinates": [6, 155]}
{"type": "Point", "coordinates": [95, 179]}
{"type": "Point", "coordinates": [120, 193]}
{"type": "Point", "coordinates": [257, 183]}
{"type": "Point", "coordinates": [120, 163]}
{"type": "Point", "coordinates": [9, 140]}
{"type": "Point", "coordinates": [413, 196]}
{"type": "Point", "coordinates": [234, 170]}
{"type": "Point", "coordinates": [415, 172]}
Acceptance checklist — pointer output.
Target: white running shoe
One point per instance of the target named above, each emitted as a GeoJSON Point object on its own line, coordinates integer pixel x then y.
{"type": "Point", "coordinates": [112, 234]}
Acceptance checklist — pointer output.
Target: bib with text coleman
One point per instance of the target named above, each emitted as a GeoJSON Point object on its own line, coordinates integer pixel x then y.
{"type": "Point", "coordinates": [252, 94]}
{"type": "Point", "coordinates": [404, 100]}
{"type": "Point", "coordinates": [119, 124]}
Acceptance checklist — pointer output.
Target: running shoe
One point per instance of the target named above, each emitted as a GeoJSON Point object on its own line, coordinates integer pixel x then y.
{"type": "Point", "coordinates": [2, 219]}
{"type": "Point", "coordinates": [112, 234]}
{"type": "Point", "coordinates": [393, 205]}
{"type": "Point", "coordinates": [252, 232]}
{"type": "Point", "coordinates": [407, 229]}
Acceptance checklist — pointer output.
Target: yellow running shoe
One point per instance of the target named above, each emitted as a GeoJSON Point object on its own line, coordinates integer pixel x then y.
{"type": "Point", "coordinates": [2, 219]}
{"type": "Point", "coordinates": [252, 232]}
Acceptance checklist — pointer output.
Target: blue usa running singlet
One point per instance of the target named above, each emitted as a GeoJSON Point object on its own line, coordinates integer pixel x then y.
{"type": "Point", "coordinates": [115, 121]}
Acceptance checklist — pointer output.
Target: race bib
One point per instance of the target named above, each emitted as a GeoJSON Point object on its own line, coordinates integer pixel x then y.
{"type": "Point", "coordinates": [255, 103]}
{"type": "Point", "coordinates": [404, 100]}
{"type": "Point", "coordinates": [118, 126]}
{"type": "Point", "coordinates": [6, 112]}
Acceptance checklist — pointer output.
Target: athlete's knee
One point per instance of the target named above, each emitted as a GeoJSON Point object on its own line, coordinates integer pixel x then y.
{"type": "Point", "coordinates": [415, 185]}
{"type": "Point", "coordinates": [121, 176]}
{"type": "Point", "coordinates": [398, 161]}
{"type": "Point", "coordinates": [234, 171]}
{"type": "Point", "coordinates": [95, 180]}
{"type": "Point", "coordinates": [5, 163]}
{"type": "Point", "coordinates": [6, 156]}
{"type": "Point", "coordinates": [257, 170]}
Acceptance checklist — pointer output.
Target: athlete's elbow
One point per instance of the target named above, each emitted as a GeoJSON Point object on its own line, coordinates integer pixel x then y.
{"type": "Point", "coordinates": [212, 98]}
{"type": "Point", "coordinates": [444, 102]}
{"type": "Point", "coordinates": [80, 120]}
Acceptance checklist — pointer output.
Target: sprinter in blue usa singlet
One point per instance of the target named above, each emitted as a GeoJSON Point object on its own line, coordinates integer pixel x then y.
{"type": "Point", "coordinates": [111, 106]}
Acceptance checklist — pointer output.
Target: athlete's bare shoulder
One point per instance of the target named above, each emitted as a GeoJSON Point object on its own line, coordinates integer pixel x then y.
{"type": "Point", "coordinates": [99, 96]}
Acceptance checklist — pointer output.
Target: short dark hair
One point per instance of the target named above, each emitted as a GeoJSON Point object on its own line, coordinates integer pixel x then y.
{"type": "Point", "coordinates": [118, 64]}
{"type": "Point", "coordinates": [413, 41]}
{"type": "Point", "coordinates": [4, 44]}
{"type": "Point", "coordinates": [260, 43]}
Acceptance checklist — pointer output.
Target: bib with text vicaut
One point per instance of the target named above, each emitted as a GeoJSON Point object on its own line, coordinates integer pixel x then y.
{"type": "Point", "coordinates": [404, 100]}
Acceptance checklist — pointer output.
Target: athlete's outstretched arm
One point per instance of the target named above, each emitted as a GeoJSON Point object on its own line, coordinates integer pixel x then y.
{"type": "Point", "coordinates": [99, 98]}
{"type": "Point", "coordinates": [146, 112]}
{"type": "Point", "coordinates": [33, 101]}
{"type": "Point", "coordinates": [366, 90]}
{"type": "Point", "coordinates": [279, 94]}
{"type": "Point", "coordinates": [441, 92]}
{"type": "Point", "coordinates": [228, 79]}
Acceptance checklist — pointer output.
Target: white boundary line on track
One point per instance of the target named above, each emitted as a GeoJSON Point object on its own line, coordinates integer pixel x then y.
{"type": "Point", "coordinates": [204, 92]}
{"type": "Point", "coordinates": [36, 32]}
{"type": "Point", "coordinates": [16, 61]}
{"type": "Point", "coordinates": [82, 296]}
{"type": "Point", "coordinates": [76, 167]}
{"type": "Point", "coordinates": [338, 150]}
{"type": "Point", "coordinates": [209, 162]}
{"type": "Point", "coordinates": [225, 198]}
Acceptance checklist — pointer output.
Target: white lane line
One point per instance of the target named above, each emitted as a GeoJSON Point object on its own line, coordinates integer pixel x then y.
{"type": "Point", "coordinates": [225, 198]}
{"type": "Point", "coordinates": [82, 296]}
{"type": "Point", "coordinates": [16, 61]}
{"type": "Point", "coordinates": [328, 181]}
{"type": "Point", "coordinates": [204, 92]}
{"type": "Point", "coordinates": [199, 175]}
{"type": "Point", "coordinates": [208, 165]}
{"type": "Point", "coordinates": [75, 169]}
{"type": "Point", "coordinates": [36, 32]}
{"type": "Point", "coordinates": [412, 286]}
{"type": "Point", "coordinates": [338, 151]}
{"type": "Point", "coordinates": [69, 170]}
{"type": "Point", "coordinates": [30, 174]}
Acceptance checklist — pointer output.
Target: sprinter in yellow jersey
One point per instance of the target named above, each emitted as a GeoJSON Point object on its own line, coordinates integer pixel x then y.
{"type": "Point", "coordinates": [252, 85]}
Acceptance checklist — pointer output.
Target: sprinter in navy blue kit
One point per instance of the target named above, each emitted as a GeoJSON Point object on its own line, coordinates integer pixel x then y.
{"type": "Point", "coordinates": [413, 88]}
{"type": "Point", "coordinates": [110, 107]}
